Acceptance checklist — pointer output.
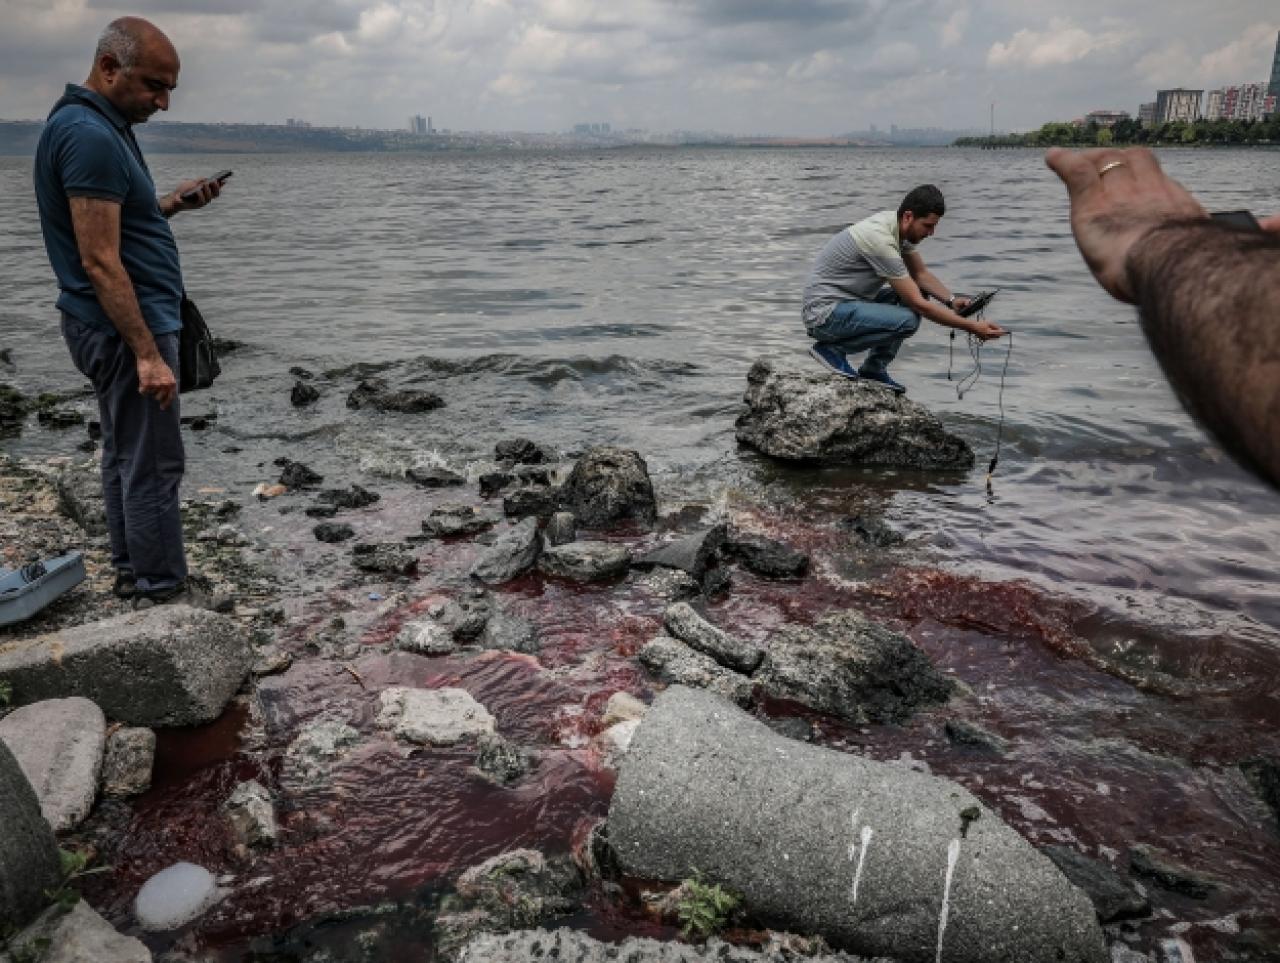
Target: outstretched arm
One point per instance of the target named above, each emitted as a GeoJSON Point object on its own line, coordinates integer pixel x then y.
{"type": "Point", "coordinates": [1207, 294]}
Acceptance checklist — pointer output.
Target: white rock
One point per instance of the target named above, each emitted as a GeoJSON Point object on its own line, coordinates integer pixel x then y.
{"type": "Point", "coordinates": [437, 717]}
{"type": "Point", "coordinates": [58, 743]}
{"type": "Point", "coordinates": [77, 936]}
{"type": "Point", "coordinates": [427, 637]}
{"type": "Point", "coordinates": [175, 896]}
{"type": "Point", "coordinates": [621, 707]}
{"type": "Point", "coordinates": [614, 742]}
{"type": "Point", "coordinates": [251, 815]}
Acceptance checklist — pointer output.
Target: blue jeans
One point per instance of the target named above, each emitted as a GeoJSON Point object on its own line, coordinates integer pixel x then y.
{"type": "Point", "coordinates": [878, 327]}
{"type": "Point", "coordinates": [142, 456]}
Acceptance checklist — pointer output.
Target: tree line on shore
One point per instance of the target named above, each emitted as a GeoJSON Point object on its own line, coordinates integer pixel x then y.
{"type": "Point", "coordinates": [1130, 132]}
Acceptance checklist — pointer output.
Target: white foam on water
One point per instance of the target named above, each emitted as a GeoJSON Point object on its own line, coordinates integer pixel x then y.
{"type": "Point", "coordinates": [175, 896]}
{"type": "Point", "coordinates": [953, 854]}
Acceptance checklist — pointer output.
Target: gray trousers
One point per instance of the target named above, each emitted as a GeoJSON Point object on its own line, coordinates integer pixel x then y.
{"type": "Point", "coordinates": [142, 456]}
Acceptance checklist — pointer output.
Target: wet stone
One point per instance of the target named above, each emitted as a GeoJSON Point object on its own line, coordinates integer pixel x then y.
{"type": "Point", "coordinates": [513, 552]}
{"type": "Point", "coordinates": [375, 393]}
{"type": "Point", "coordinates": [520, 451]}
{"type": "Point", "coordinates": [972, 736]}
{"type": "Point", "coordinates": [1149, 863]}
{"type": "Point", "coordinates": [425, 637]}
{"type": "Point", "coordinates": [272, 661]}
{"type": "Point", "coordinates": [693, 554]}
{"type": "Point", "coordinates": [304, 374]}
{"type": "Point", "coordinates": [492, 483]}
{"type": "Point", "coordinates": [466, 616]}
{"type": "Point", "coordinates": [560, 529]}
{"type": "Point", "coordinates": [384, 558]}
{"type": "Point", "coordinates": [435, 717]}
{"type": "Point", "coordinates": [539, 502]}
{"type": "Point", "coordinates": [434, 477]}
{"type": "Point", "coordinates": [675, 663]}
{"type": "Point", "coordinates": [609, 485]}
{"type": "Point", "coordinates": [873, 530]}
{"type": "Point", "coordinates": [1112, 897]}
{"type": "Point", "coordinates": [354, 497]}
{"type": "Point", "coordinates": [509, 633]}
{"type": "Point", "coordinates": [453, 519]}
{"type": "Point", "coordinates": [1263, 773]}
{"type": "Point", "coordinates": [297, 475]}
{"type": "Point", "coordinates": [321, 511]}
{"type": "Point", "coordinates": [13, 410]}
{"type": "Point", "coordinates": [60, 418]}
{"type": "Point", "coordinates": [251, 815]}
{"type": "Point", "coordinates": [502, 761]}
{"type": "Point", "coordinates": [319, 745]}
{"type": "Point", "coordinates": [767, 557]}
{"type": "Point", "coordinates": [586, 561]}
{"type": "Point", "coordinates": [303, 394]}
{"type": "Point", "coordinates": [685, 624]}
{"type": "Point", "coordinates": [128, 761]}
{"type": "Point", "coordinates": [333, 532]}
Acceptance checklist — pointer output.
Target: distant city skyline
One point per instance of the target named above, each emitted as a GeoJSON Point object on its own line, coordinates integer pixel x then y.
{"type": "Point", "coordinates": [805, 68]}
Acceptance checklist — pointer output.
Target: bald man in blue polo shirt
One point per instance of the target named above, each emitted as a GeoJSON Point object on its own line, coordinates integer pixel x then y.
{"type": "Point", "coordinates": [120, 282]}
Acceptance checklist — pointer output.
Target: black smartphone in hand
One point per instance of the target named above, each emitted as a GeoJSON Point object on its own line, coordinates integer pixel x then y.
{"type": "Point", "coordinates": [220, 177]}
{"type": "Point", "coordinates": [1240, 220]}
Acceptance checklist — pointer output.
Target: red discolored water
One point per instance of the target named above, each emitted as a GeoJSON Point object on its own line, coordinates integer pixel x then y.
{"type": "Point", "coordinates": [1116, 734]}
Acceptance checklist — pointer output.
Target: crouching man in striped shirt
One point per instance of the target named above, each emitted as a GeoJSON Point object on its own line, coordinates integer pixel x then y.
{"type": "Point", "coordinates": [870, 287]}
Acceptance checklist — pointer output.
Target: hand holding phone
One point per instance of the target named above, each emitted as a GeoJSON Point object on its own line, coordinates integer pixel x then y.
{"type": "Point", "coordinates": [193, 195]}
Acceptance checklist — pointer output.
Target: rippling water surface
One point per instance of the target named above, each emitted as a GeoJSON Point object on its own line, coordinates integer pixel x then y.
{"type": "Point", "coordinates": [620, 297]}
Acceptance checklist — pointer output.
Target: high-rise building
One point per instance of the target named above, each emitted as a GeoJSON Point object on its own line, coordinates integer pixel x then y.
{"type": "Point", "coordinates": [418, 124]}
{"type": "Point", "coordinates": [1274, 88]}
{"type": "Point", "coordinates": [1177, 104]}
{"type": "Point", "coordinates": [1106, 118]}
{"type": "Point", "coordinates": [1215, 105]}
{"type": "Point", "coordinates": [1147, 114]}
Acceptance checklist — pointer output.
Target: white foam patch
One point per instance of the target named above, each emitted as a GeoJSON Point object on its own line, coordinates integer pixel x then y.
{"type": "Point", "coordinates": [175, 896]}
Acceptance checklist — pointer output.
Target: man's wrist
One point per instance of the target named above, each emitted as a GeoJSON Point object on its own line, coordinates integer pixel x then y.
{"type": "Point", "coordinates": [1147, 252]}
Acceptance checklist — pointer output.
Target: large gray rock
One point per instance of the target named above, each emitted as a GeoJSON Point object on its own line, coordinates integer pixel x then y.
{"type": "Point", "coordinates": [675, 663]}
{"type": "Point", "coordinates": [609, 485]}
{"type": "Point", "coordinates": [876, 858]}
{"type": "Point", "coordinates": [171, 665]}
{"type": "Point", "coordinates": [693, 554]}
{"type": "Point", "coordinates": [58, 743]}
{"type": "Point", "coordinates": [688, 626]}
{"type": "Point", "coordinates": [572, 946]}
{"type": "Point", "coordinates": [29, 861]}
{"type": "Point", "coordinates": [852, 668]}
{"type": "Point", "coordinates": [512, 553]}
{"type": "Point", "coordinates": [433, 717]}
{"type": "Point", "coordinates": [814, 417]}
{"type": "Point", "coordinates": [76, 936]}
{"type": "Point", "coordinates": [586, 561]}
{"type": "Point", "coordinates": [80, 497]}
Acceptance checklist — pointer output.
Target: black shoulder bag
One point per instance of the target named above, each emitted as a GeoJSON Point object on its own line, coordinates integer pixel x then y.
{"type": "Point", "coordinates": [197, 361]}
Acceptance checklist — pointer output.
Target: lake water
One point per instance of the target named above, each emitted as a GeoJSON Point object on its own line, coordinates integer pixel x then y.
{"type": "Point", "coordinates": [620, 297]}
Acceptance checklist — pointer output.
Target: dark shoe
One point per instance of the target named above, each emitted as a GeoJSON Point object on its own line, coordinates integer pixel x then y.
{"type": "Point", "coordinates": [125, 587]}
{"type": "Point", "coordinates": [833, 361]}
{"type": "Point", "coordinates": [882, 377]}
{"type": "Point", "coordinates": [184, 593]}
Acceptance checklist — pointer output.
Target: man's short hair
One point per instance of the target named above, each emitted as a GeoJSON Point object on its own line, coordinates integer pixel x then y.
{"type": "Point", "coordinates": [120, 42]}
{"type": "Point", "coordinates": [923, 201]}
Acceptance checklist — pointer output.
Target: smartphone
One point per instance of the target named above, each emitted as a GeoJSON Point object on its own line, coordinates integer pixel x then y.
{"type": "Point", "coordinates": [220, 177]}
{"type": "Point", "coordinates": [1240, 220]}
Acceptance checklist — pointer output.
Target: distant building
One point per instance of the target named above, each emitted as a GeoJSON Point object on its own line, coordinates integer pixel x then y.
{"type": "Point", "coordinates": [295, 122]}
{"type": "Point", "coordinates": [419, 125]}
{"type": "Point", "coordinates": [1275, 70]}
{"type": "Point", "coordinates": [1177, 104]}
{"type": "Point", "coordinates": [1106, 118]}
{"type": "Point", "coordinates": [1147, 114]}
{"type": "Point", "coordinates": [1215, 105]}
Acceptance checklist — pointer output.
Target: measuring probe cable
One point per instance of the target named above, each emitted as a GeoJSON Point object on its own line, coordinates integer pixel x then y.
{"type": "Point", "coordinates": [972, 378]}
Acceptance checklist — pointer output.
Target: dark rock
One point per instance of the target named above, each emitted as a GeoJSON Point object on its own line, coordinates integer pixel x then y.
{"type": "Point", "coordinates": [609, 485]}
{"type": "Point", "coordinates": [810, 416]}
{"type": "Point", "coordinates": [60, 418]}
{"type": "Point", "coordinates": [29, 863]}
{"type": "Point", "coordinates": [561, 528]}
{"type": "Point", "coordinates": [1112, 896]}
{"type": "Point", "coordinates": [455, 519]}
{"type": "Point", "coordinates": [298, 475]}
{"type": "Point", "coordinates": [691, 628]}
{"type": "Point", "coordinates": [299, 372]}
{"type": "Point", "coordinates": [466, 616]}
{"type": "Point", "coordinates": [95, 430]}
{"type": "Point", "coordinates": [223, 346]}
{"type": "Point", "coordinates": [509, 633]}
{"type": "Point", "coordinates": [522, 887]}
{"type": "Point", "coordinates": [513, 552]}
{"type": "Point", "coordinates": [321, 511]}
{"type": "Point", "coordinates": [586, 561]}
{"type": "Point", "coordinates": [767, 557]}
{"type": "Point", "coordinates": [13, 410]}
{"type": "Point", "coordinates": [303, 394]}
{"type": "Point", "coordinates": [716, 582]}
{"type": "Point", "coordinates": [491, 483]}
{"type": "Point", "coordinates": [356, 497]}
{"type": "Point", "coordinates": [1263, 773]}
{"type": "Point", "coordinates": [374, 393]}
{"type": "Point", "coordinates": [852, 668]}
{"type": "Point", "coordinates": [675, 663]}
{"type": "Point", "coordinates": [385, 558]}
{"type": "Point", "coordinates": [520, 451]}
{"type": "Point", "coordinates": [1147, 862]}
{"type": "Point", "coordinates": [434, 477]}
{"type": "Point", "coordinates": [534, 476]}
{"type": "Point", "coordinates": [502, 761]}
{"type": "Point", "coordinates": [538, 502]}
{"type": "Point", "coordinates": [199, 422]}
{"type": "Point", "coordinates": [333, 532]}
{"type": "Point", "coordinates": [969, 735]}
{"type": "Point", "coordinates": [693, 553]}
{"type": "Point", "coordinates": [873, 530]}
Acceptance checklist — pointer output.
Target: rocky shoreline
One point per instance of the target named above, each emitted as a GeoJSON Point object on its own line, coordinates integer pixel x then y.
{"type": "Point", "coordinates": [795, 850]}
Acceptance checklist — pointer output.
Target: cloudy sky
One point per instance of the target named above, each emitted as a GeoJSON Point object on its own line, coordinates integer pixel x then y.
{"type": "Point", "coordinates": [802, 67]}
